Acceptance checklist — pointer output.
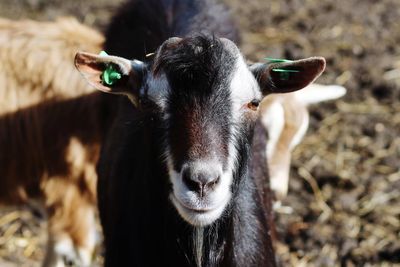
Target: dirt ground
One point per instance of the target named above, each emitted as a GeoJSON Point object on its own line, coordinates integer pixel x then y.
{"type": "Point", "coordinates": [343, 207]}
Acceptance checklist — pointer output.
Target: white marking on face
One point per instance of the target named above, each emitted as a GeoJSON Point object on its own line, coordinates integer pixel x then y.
{"type": "Point", "coordinates": [244, 87]}
{"type": "Point", "coordinates": [195, 210]}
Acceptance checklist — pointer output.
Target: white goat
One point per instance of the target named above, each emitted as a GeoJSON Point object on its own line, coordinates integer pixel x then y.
{"type": "Point", "coordinates": [286, 118]}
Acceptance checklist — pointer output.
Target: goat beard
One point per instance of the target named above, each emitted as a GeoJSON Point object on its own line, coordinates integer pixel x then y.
{"type": "Point", "coordinates": [198, 239]}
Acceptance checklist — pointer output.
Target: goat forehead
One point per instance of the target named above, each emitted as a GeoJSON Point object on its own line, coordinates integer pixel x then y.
{"type": "Point", "coordinates": [202, 69]}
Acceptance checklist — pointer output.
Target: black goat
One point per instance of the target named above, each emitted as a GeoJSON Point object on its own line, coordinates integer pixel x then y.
{"type": "Point", "coordinates": [179, 181]}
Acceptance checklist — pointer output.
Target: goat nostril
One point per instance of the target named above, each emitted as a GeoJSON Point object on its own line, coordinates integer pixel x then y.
{"type": "Point", "coordinates": [213, 183]}
{"type": "Point", "coordinates": [191, 184]}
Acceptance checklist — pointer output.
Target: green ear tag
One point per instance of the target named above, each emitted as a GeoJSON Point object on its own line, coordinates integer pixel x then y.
{"type": "Point", "coordinates": [276, 60]}
{"type": "Point", "coordinates": [110, 75]}
{"type": "Point", "coordinates": [284, 73]}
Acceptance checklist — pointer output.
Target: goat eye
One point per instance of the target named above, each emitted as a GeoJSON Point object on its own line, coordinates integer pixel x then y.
{"type": "Point", "coordinates": [253, 105]}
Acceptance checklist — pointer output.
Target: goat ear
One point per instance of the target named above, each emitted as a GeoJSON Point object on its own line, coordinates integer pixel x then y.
{"type": "Point", "coordinates": [287, 76]}
{"type": "Point", "coordinates": [127, 74]}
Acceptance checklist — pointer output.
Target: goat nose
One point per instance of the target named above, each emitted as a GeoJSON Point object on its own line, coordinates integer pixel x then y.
{"type": "Point", "coordinates": [200, 181]}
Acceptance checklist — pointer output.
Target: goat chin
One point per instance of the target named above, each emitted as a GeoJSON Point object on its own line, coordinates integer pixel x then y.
{"type": "Point", "coordinates": [199, 217]}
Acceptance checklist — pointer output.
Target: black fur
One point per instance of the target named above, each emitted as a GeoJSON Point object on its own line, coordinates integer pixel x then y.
{"type": "Point", "coordinates": [140, 27]}
{"type": "Point", "coordinates": [198, 61]}
{"type": "Point", "coordinates": [141, 226]}
{"type": "Point", "coordinates": [198, 71]}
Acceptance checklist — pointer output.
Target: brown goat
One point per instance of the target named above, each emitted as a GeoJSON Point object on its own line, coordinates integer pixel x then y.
{"type": "Point", "coordinates": [50, 130]}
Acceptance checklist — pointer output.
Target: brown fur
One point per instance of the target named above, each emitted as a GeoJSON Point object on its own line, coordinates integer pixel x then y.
{"type": "Point", "coordinates": [50, 125]}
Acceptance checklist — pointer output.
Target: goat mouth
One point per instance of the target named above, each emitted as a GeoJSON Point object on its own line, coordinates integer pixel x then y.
{"type": "Point", "coordinates": [186, 207]}
{"type": "Point", "coordinates": [198, 216]}
{"type": "Point", "coordinates": [196, 210]}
